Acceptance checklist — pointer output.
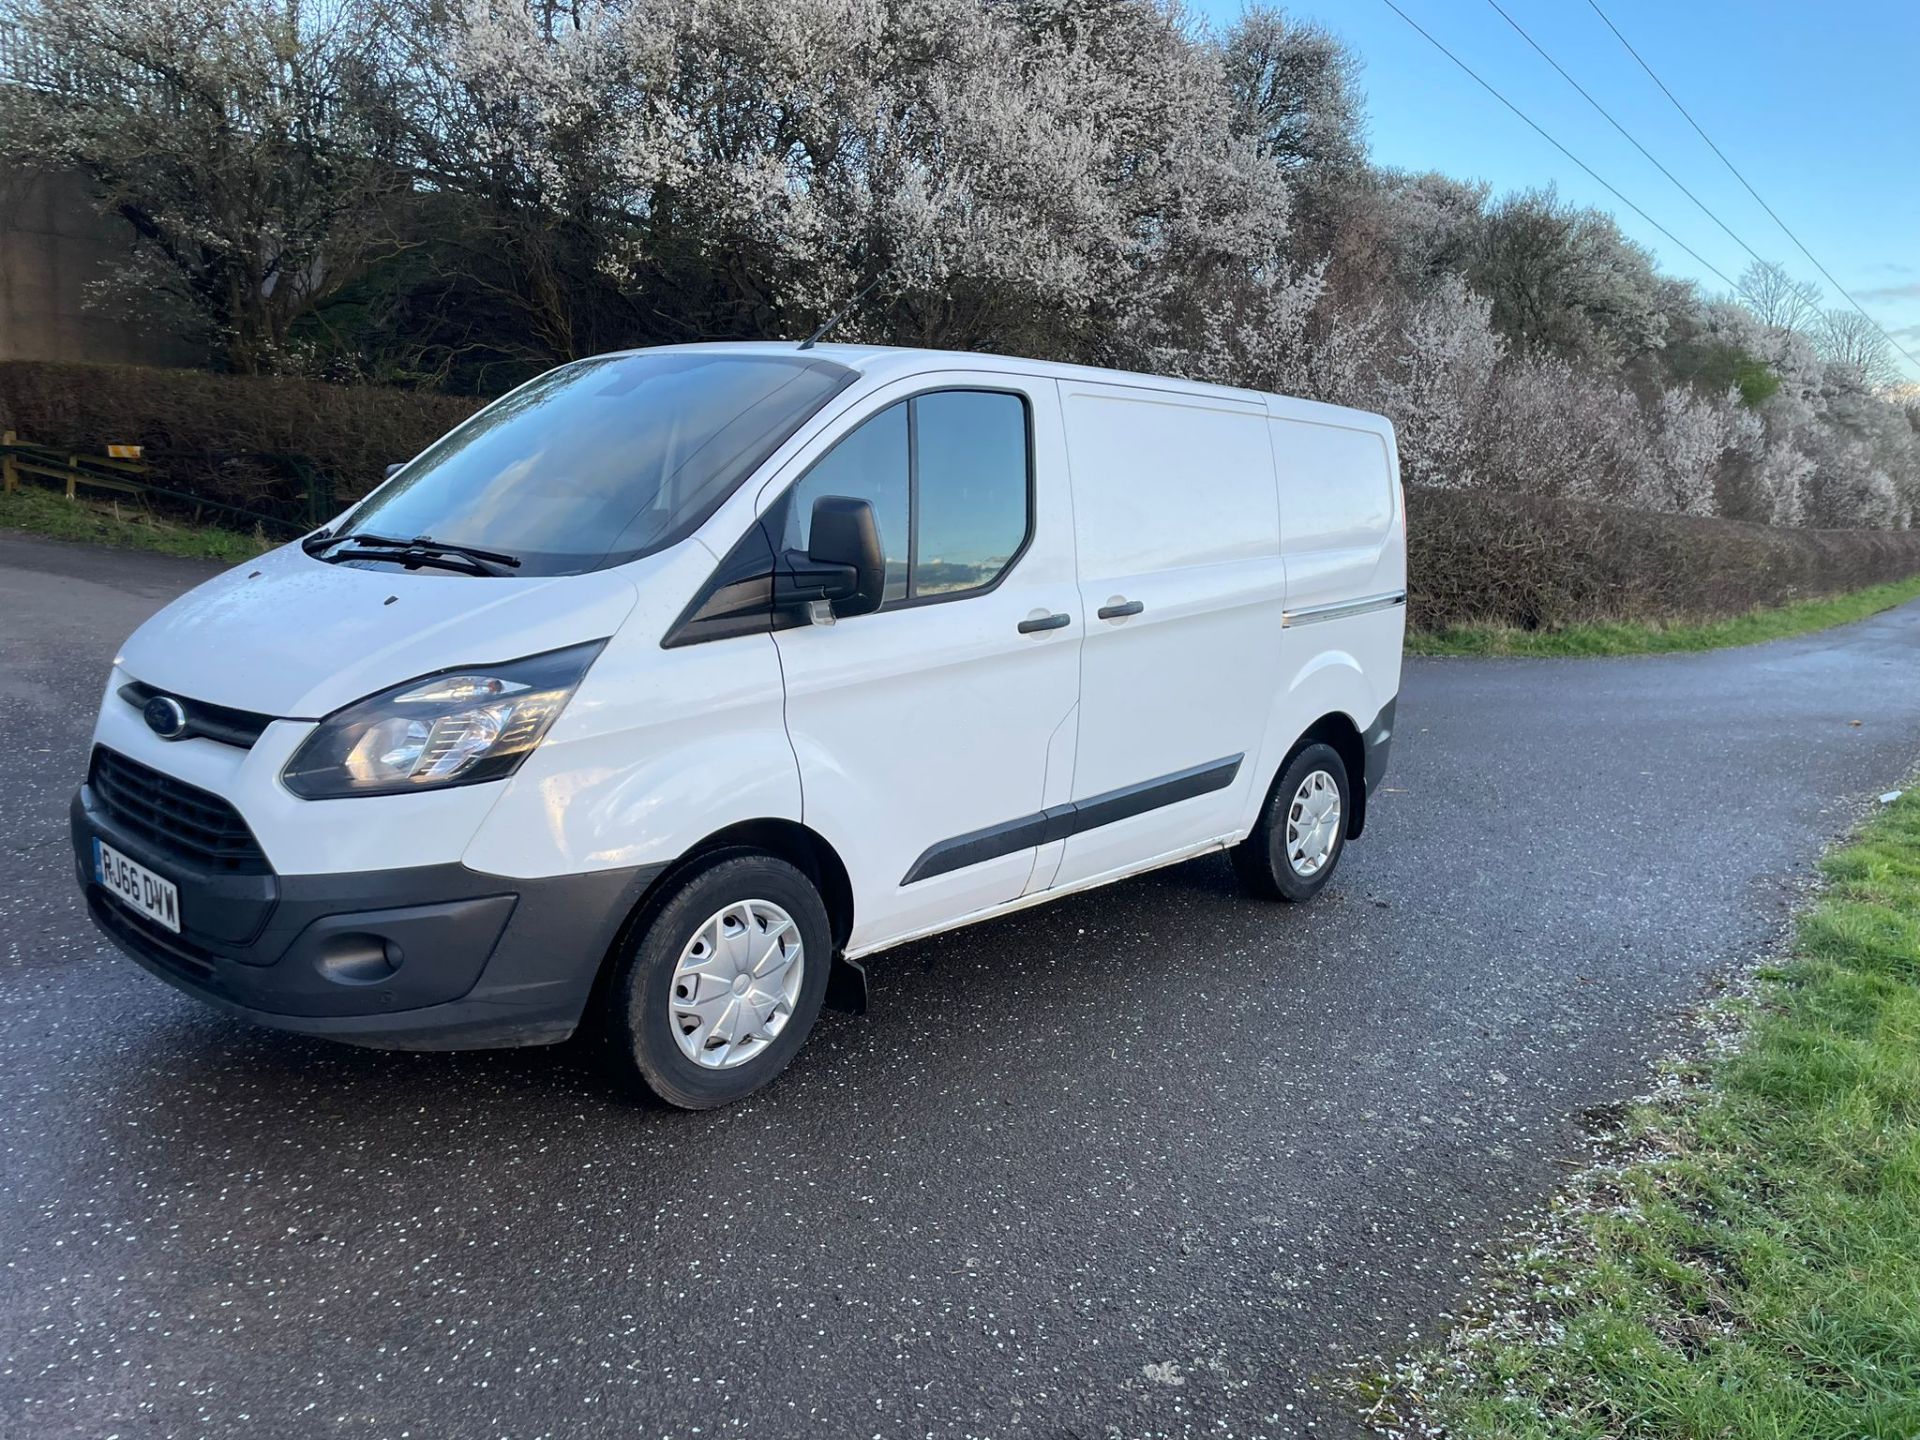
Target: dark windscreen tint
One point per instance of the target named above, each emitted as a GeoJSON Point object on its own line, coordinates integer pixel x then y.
{"type": "Point", "coordinates": [603, 460]}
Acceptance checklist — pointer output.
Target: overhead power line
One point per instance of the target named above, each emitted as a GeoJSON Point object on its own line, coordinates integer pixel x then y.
{"type": "Point", "coordinates": [1537, 129]}
{"type": "Point", "coordinates": [1812, 259]}
{"type": "Point", "coordinates": [1631, 138]}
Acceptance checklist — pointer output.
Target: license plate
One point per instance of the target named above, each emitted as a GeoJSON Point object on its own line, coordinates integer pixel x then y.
{"type": "Point", "coordinates": [152, 895]}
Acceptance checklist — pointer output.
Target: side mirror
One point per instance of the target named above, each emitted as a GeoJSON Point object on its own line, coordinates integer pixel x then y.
{"type": "Point", "coordinates": [396, 468]}
{"type": "Point", "coordinates": [845, 533]}
{"type": "Point", "coordinates": [843, 562]}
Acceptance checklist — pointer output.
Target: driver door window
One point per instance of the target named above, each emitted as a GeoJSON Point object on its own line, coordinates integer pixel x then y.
{"type": "Point", "coordinates": [871, 464]}
{"type": "Point", "coordinates": [948, 476]}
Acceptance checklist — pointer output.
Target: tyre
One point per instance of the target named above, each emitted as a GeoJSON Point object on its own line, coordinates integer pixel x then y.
{"type": "Point", "coordinates": [1301, 832]}
{"type": "Point", "coordinates": [716, 995]}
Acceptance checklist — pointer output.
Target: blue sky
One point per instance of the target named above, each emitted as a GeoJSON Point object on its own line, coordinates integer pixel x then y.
{"type": "Point", "coordinates": [1818, 104]}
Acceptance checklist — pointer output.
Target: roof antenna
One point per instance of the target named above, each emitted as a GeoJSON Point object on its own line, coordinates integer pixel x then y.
{"type": "Point", "coordinates": [842, 313]}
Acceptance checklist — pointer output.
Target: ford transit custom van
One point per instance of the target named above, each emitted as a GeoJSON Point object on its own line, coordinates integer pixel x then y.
{"type": "Point", "coordinates": [662, 692]}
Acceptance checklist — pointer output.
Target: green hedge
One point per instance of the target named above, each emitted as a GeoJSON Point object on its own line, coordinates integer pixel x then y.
{"type": "Point", "coordinates": [256, 442]}
{"type": "Point", "coordinates": [1483, 557]}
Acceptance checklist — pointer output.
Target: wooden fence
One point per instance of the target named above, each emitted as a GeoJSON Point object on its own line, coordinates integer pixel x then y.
{"type": "Point", "coordinates": [120, 471]}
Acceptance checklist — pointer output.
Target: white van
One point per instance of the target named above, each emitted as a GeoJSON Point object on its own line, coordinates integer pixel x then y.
{"type": "Point", "coordinates": [669, 687]}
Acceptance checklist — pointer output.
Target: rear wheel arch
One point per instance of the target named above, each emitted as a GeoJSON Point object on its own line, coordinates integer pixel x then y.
{"type": "Point", "coordinates": [1336, 728]}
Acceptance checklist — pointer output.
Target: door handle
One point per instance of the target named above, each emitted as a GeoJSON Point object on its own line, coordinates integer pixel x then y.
{"type": "Point", "coordinates": [1035, 623]}
{"type": "Point", "coordinates": [1120, 610]}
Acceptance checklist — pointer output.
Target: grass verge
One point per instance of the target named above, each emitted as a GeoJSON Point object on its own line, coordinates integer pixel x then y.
{"type": "Point", "coordinates": [1747, 1262]}
{"type": "Point", "coordinates": [43, 512]}
{"type": "Point", "coordinates": [1773, 623]}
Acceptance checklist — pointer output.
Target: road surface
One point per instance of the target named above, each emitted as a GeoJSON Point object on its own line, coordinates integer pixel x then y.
{"type": "Point", "coordinates": [1152, 1161]}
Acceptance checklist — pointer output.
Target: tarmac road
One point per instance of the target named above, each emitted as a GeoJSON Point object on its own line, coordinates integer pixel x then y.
{"type": "Point", "coordinates": [1152, 1161]}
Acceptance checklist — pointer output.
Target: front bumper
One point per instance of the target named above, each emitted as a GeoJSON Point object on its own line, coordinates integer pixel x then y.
{"type": "Point", "coordinates": [429, 957]}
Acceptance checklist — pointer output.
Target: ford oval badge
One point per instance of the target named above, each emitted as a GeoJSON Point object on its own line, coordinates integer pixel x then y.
{"type": "Point", "coordinates": [165, 717]}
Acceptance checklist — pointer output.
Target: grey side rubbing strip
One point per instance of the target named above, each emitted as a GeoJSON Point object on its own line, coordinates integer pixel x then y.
{"type": "Point", "coordinates": [1341, 609]}
{"type": "Point", "coordinates": [1072, 818]}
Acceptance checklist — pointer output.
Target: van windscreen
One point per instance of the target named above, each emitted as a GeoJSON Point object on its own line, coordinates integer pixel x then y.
{"type": "Point", "coordinates": [601, 461]}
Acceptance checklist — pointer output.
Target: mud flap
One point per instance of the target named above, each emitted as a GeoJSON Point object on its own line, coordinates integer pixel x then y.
{"type": "Point", "coordinates": [847, 986]}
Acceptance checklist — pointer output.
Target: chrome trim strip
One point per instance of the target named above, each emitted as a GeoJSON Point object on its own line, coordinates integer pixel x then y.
{"type": "Point", "coordinates": [1341, 609]}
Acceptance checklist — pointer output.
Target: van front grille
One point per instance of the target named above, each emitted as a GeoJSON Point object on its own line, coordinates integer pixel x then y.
{"type": "Point", "coordinates": [181, 819]}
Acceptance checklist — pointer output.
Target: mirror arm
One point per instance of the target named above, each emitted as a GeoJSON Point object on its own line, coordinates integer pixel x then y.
{"type": "Point", "coordinates": [800, 581]}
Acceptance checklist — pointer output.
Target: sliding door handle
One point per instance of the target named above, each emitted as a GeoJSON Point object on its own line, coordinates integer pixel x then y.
{"type": "Point", "coordinates": [1037, 622]}
{"type": "Point", "coordinates": [1120, 609]}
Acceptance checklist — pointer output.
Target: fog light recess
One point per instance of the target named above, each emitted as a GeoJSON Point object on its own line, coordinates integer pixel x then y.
{"type": "Point", "coordinates": [358, 958]}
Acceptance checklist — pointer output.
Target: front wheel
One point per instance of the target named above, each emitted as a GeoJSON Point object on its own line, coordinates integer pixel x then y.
{"type": "Point", "coordinates": [1299, 836]}
{"type": "Point", "coordinates": [717, 994]}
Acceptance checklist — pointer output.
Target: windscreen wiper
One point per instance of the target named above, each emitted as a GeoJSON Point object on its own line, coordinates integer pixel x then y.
{"type": "Point", "coordinates": [422, 550]}
{"type": "Point", "coordinates": [326, 540]}
{"type": "Point", "coordinates": [414, 559]}
{"type": "Point", "coordinates": [444, 547]}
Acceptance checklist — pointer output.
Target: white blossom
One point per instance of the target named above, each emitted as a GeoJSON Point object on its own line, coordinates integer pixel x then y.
{"type": "Point", "coordinates": [1691, 437]}
{"type": "Point", "coordinates": [1096, 180]}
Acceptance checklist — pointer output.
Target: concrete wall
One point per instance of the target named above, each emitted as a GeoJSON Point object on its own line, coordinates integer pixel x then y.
{"type": "Point", "coordinates": [53, 245]}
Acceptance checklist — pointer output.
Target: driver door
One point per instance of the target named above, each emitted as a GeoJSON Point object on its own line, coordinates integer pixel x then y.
{"type": "Point", "coordinates": [932, 733]}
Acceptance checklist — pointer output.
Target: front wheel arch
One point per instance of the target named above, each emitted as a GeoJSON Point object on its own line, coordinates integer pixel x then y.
{"type": "Point", "coordinates": [801, 847]}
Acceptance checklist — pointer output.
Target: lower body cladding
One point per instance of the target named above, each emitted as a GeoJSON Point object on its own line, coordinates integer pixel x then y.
{"type": "Point", "coordinates": [435, 957]}
{"type": "Point", "coordinates": [1376, 745]}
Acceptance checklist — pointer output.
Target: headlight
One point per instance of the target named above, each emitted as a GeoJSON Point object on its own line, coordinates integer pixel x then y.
{"type": "Point", "coordinates": [456, 728]}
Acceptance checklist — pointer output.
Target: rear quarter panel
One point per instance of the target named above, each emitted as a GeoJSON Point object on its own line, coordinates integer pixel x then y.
{"type": "Point", "coordinates": [1343, 539]}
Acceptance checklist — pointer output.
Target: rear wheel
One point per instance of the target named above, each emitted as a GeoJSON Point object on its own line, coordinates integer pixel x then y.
{"type": "Point", "coordinates": [1301, 833]}
{"type": "Point", "coordinates": [715, 996]}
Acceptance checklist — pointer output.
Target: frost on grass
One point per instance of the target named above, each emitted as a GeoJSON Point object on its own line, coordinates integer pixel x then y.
{"type": "Point", "coordinates": [1540, 1283]}
{"type": "Point", "coordinates": [1681, 1273]}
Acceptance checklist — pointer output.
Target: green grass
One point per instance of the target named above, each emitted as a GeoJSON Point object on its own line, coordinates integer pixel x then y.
{"type": "Point", "coordinates": [1773, 623]}
{"type": "Point", "coordinates": [1751, 1268]}
{"type": "Point", "coordinates": [46, 512]}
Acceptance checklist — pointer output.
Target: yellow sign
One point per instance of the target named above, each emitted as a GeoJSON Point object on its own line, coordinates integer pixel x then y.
{"type": "Point", "coordinates": [123, 452]}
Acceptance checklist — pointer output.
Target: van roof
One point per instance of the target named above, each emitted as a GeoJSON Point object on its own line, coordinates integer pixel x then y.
{"type": "Point", "coordinates": [880, 363]}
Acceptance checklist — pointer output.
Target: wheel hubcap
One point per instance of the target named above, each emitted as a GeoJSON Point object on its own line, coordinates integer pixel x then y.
{"type": "Point", "coordinates": [736, 984]}
{"type": "Point", "coordinates": [1313, 824]}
